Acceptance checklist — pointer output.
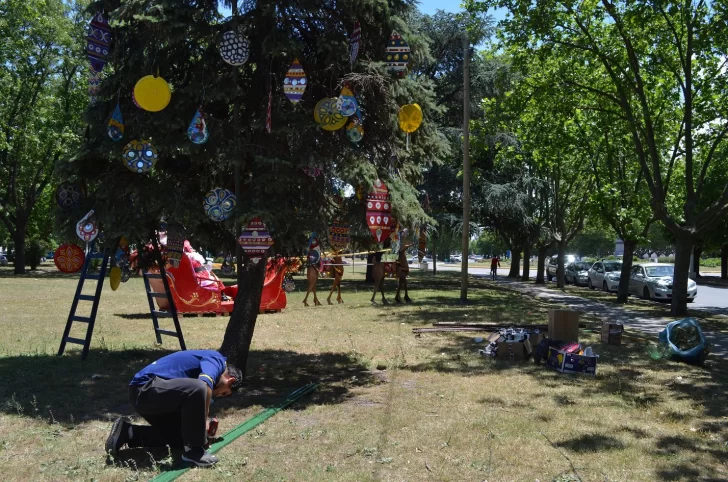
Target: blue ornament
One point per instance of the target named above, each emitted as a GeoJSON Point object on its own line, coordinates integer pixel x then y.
{"type": "Point", "coordinates": [219, 204]}
{"type": "Point", "coordinates": [197, 131]}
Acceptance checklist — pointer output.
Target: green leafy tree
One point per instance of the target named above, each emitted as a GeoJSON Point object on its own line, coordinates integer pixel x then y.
{"type": "Point", "coordinates": [41, 101]}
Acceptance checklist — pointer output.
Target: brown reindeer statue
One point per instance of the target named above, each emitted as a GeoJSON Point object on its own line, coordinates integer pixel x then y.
{"type": "Point", "coordinates": [378, 275]}
{"type": "Point", "coordinates": [336, 271]}
{"type": "Point", "coordinates": [312, 275]}
{"type": "Point", "coordinates": [402, 272]}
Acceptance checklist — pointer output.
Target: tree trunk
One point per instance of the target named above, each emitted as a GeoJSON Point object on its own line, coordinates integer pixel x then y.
{"type": "Point", "coordinates": [370, 260]}
{"type": "Point", "coordinates": [515, 263]}
{"type": "Point", "coordinates": [434, 262]}
{"type": "Point", "coordinates": [541, 266]}
{"type": "Point", "coordinates": [697, 253]}
{"type": "Point", "coordinates": [560, 269]}
{"type": "Point", "coordinates": [526, 262]}
{"type": "Point", "coordinates": [724, 261]}
{"type": "Point", "coordinates": [623, 292]}
{"type": "Point", "coordinates": [19, 240]}
{"type": "Point", "coordinates": [683, 249]}
{"type": "Point", "coordinates": [240, 328]}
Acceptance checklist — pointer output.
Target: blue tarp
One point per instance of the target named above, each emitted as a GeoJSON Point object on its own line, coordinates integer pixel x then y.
{"type": "Point", "coordinates": [686, 340]}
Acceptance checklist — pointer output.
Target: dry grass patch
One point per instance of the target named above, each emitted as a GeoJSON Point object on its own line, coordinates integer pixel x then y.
{"type": "Point", "coordinates": [391, 405]}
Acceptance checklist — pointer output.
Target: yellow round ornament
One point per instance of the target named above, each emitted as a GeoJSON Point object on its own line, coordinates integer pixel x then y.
{"type": "Point", "coordinates": [327, 115]}
{"type": "Point", "coordinates": [410, 118]}
{"type": "Point", "coordinates": [152, 93]}
{"type": "Point", "coordinates": [115, 278]}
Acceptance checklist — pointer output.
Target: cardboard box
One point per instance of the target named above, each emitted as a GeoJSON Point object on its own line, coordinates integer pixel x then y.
{"type": "Point", "coordinates": [535, 338]}
{"type": "Point", "coordinates": [563, 325]}
{"type": "Point", "coordinates": [571, 362]}
{"type": "Point", "coordinates": [511, 351]}
{"type": "Point", "coordinates": [612, 333]}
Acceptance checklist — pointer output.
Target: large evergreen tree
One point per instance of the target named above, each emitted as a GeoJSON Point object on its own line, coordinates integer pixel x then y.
{"type": "Point", "coordinates": [179, 40]}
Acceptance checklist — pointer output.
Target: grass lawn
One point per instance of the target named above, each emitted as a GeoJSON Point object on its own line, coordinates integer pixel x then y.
{"type": "Point", "coordinates": [391, 405]}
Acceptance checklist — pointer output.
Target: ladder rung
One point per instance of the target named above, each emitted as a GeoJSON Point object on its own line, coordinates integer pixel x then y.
{"type": "Point", "coordinates": [75, 340]}
{"type": "Point", "coordinates": [92, 276]}
{"type": "Point", "coordinates": [153, 275]}
{"type": "Point", "coordinates": [162, 314]}
{"type": "Point", "coordinates": [87, 297]}
{"type": "Point", "coordinates": [83, 319]}
{"type": "Point", "coordinates": [167, 332]}
{"type": "Point", "coordinates": [154, 294]}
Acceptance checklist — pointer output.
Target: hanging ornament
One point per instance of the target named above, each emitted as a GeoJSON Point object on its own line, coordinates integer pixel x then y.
{"type": "Point", "coordinates": [197, 130]}
{"type": "Point", "coordinates": [422, 243]}
{"type": "Point", "coordinates": [379, 212]}
{"type": "Point", "coordinates": [339, 235]}
{"type": "Point", "coordinates": [269, 110]}
{"type": "Point", "coordinates": [294, 85]}
{"type": "Point", "coordinates": [360, 192]}
{"type": "Point", "coordinates": [396, 239]}
{"type": "Point", "coordinates": [219, 204]}
{"type": "Point", "coordinates": [410, 118]}
{"type": "Point", "coordinates": [312, 171]}
{"type": "Point", "coordinates": [397, 54]}
{"type": "Point", "coordinates": [289, 286]}
{"type": "Point", "coordinates": [87, 229]}
{"type": "Point", "coordinates": [234, 48]}
{"type": "Point", "coordinates": [70, 195]}
{"type": "Point", "coordinates": [139, 156]}
{"type": "Point", "coordinates": [255, 239]}
{"type": "Point", "coordinates": [346, 103]}
{"type": "Point", "coordinates": [115, 128]}
{"type": "Point", "coordinates": [69, 258]}
{"type": "Point", "coordinates": [94, 85]}
{"type": "Point", "coordinates": [115, 278]}
{"type": "Point", "coordinates": [314, 250]}
{"type": "Point", "coordinates": [354, 43]}
{"type": "Point", "coordinates": [355, 131]}
{"type": "Point", "coordinates": [175, 247]}
{"type": "Point", "coordinates": [98, 40]}
{"type": "Point", "coordinates": [327, 115]}
{"type": "Point", "coordinates": [152, 93]}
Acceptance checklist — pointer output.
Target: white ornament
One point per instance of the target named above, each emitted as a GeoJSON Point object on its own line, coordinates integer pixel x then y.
{"type": "Point", "coordinates": [234, 48]}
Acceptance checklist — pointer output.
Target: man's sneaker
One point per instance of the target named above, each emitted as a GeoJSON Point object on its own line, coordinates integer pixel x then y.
{"type": "Point", "coordinates": [118, 437]}
{"type": "Point", "coordinates": [200, 457]}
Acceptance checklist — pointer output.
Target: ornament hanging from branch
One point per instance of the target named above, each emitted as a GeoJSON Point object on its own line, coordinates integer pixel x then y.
{"type": "Point", "coordinates": [314, 250]}
{"type": "Point", "coordinates": [354, 44]}
{"type": "Point", "coordinates": [69, 258]}
{"type": "Point", "coordinates": [87, 229]}
{"type": "Point", "coordinates": [269, 111]}
{"type": "Point", "coordinates": [327, 115]}
{"type": "Point", "coordinates": [312, 171]}
{"type": "Point", "coordinates": [397, 54]}
{"type": "Point", "coordinates": [94, 85]}
{"type": "Point", "coordinates": [175, 247]}
{"type": "Point", "coordinates": [410, 119]}
{"type": "Point", "coordinates": [355, 131]}
{"type": "Point", "coordinates": [234, 48]}
{"type": "Point", "coordinates": [197, 130]}
{"type": "Point", "coordinates": [115, 127]}
{"type": "Point", "coordinates": [219, 204]}
{"type": "Point", "coordinates": [70, 195]}
{"type": "Point", "coordinates": [346, 103]}
{"type": "Point", "coordinates": [255, 239]}
{"type": "Point", "coordinates": [152, 93]}
{"type": "Point", "coordinates": [98, 41]}
{"type": "Point", "coordinates": [339, 235]}
{"type": "Point", "coordinates": [294, 84]}
{"type": "Point", "coordinates": [140, 156]}
{"type": "Point", "coordinates": [379, 212]}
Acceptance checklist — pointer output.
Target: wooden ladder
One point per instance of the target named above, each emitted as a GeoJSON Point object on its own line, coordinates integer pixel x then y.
{"type": "Point", "coordinates": [94, 299]}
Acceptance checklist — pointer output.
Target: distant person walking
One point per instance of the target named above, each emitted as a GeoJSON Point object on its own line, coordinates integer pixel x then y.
{"type": "Point", "coordinates": [494, 265]}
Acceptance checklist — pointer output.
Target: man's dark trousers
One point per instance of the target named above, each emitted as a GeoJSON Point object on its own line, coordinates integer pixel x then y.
{"type": "Point", "coordinates": [175, 409]}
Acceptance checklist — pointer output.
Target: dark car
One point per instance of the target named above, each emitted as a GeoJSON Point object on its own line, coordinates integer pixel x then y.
{"type": "Point", "coordinates": [577, 273]}
{"type": "Point", "coordinates": [553, 265]}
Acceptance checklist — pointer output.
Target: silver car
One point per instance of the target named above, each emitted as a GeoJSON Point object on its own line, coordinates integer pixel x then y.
{"type": "Point", "coordinates": [605, 275]}
{"type": "Point", "coordinates": [577, 273]}
{"type": "Point", "coordinates": [653, 281]}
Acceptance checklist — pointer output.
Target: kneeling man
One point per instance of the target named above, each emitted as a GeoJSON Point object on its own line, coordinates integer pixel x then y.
{"type": "Point", "coordinates": [173, 394]}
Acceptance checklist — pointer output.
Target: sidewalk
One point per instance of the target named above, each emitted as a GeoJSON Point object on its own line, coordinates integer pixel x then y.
{"type": "Point", "coordinates": [649, 325]}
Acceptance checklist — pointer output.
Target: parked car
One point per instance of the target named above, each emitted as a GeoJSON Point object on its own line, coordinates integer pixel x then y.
{"type": "Point", "coordinates": [653, 281]}
{"type": "Point", "coordinates": [577, 273]}
{"type": "Point", "coordinates": [553, 264]}
{"type": "Point", "coordinates": [456, 258]}
{"type": "Point", "coordinates": [3, 260]}
{"type": "Point", "coordinates": [605, 275]}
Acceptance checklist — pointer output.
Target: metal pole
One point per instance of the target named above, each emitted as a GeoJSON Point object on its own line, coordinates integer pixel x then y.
{"type": "Point", "coordinates": [236, 127]}
{"type": "Point", "coordinates": [466, 168]}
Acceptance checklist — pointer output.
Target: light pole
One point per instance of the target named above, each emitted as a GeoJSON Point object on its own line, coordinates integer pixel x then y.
{"type": "Point", "coordinates": [466, 168]}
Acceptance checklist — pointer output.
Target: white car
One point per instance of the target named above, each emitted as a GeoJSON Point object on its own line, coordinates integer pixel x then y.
{"type": "Point", "coordinates": [3, 260]}
{"type": "Point", "coordinates": [605, 275]}
{"type": "Point", "coordinates": [456, 258]}
{"type": "Point", "coordinates": [653, 281]}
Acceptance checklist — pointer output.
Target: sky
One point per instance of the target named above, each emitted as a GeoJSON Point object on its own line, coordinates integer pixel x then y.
{"type": "Point", "coordinates": [431, 6]}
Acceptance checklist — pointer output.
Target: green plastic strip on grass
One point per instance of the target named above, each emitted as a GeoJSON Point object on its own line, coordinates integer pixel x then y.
{"type": "Point", "coordinates": [241, 429]}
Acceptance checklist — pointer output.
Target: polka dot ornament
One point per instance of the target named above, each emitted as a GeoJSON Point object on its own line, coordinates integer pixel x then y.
{"type": "Point", "coordinates": [234, 48]}
{"type": "Point", "coordinates": [139, 156]}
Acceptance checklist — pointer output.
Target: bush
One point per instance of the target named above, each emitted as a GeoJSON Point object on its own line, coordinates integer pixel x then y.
{"type": "Point", "coordinates": [34, 250]}
{"type": "Point", "coordinates": [666, 259]}
{"type": "Point", "coordinates": [710, 263]}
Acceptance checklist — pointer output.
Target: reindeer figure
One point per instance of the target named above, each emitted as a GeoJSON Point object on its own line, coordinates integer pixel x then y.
{"type": "Point", "coordinates": [312, 275]}
{"type": "Point", "coordinates": [378, 275]}
{"type": "Point", "coordinates": [336, 271]}
{"type": "Point", "coordinates": [402, 272]}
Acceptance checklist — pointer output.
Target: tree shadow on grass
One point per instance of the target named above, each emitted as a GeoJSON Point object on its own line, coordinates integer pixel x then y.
{"type": "Point", "coordinates": [592, 443]}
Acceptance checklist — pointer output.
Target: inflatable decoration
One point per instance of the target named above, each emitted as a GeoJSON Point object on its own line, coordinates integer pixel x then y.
{"type": "Point", "coordinates": [234, 48]}
{"type": "Point", "coordinates": [115, 127]}
{"type": "Point", "coordinates": [314, 251]}
{"type": "Point", "coordinates": [69, 258]}
{"type": "Point", "coordinates": [327, 115]}
{"type": "Point", "coordinates": [422, 243]}
{"type": "Point", "coordinates": [312, 171]}
{"type": "Point", "coordinates": [152, 93]}
{"type": "Point", "coordinates": [140, 156]}
{"type": "Point", "coordinates": [115, 278]}
{"type": "Point", "coordinates": [294, 85]}
{"type": "Point", "coordinates": [175, 248]}
{"type": "Point", "coordinates": [355, 131]}
{"type": "Point", "coordinates": [354, 43]}
{"type": "Point", "coordinates": [94, 85]}
{"type": "Point", "coordinates": [410, 119]}
{"type": "Point", "coordinates": [255, 239]}
{"type": "Point", "coordinates": [339, 236]}
{"type": "Point", "coordinates": [379, 212]}
{"type": "Point", "coordinates": [289, 286]}
{"type": "Point", "coordinates": [397, 54]}
{"type": "Point", "coordinates": [87, 229]}
{"type": "Point", "coordinates": [219, 204]}
{"type": "Point", "coordinates": [70, 195]}
{"type": "Point", "coordinates": [197, 131]}
{"type": "Point", "coordinates": [346, 103]}
{"type": "Point", "coordinates": [98, 40]}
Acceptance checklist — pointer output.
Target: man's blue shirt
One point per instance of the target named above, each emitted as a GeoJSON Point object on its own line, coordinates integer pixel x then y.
{"type": "Point", "coordinates": [207, 365]}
